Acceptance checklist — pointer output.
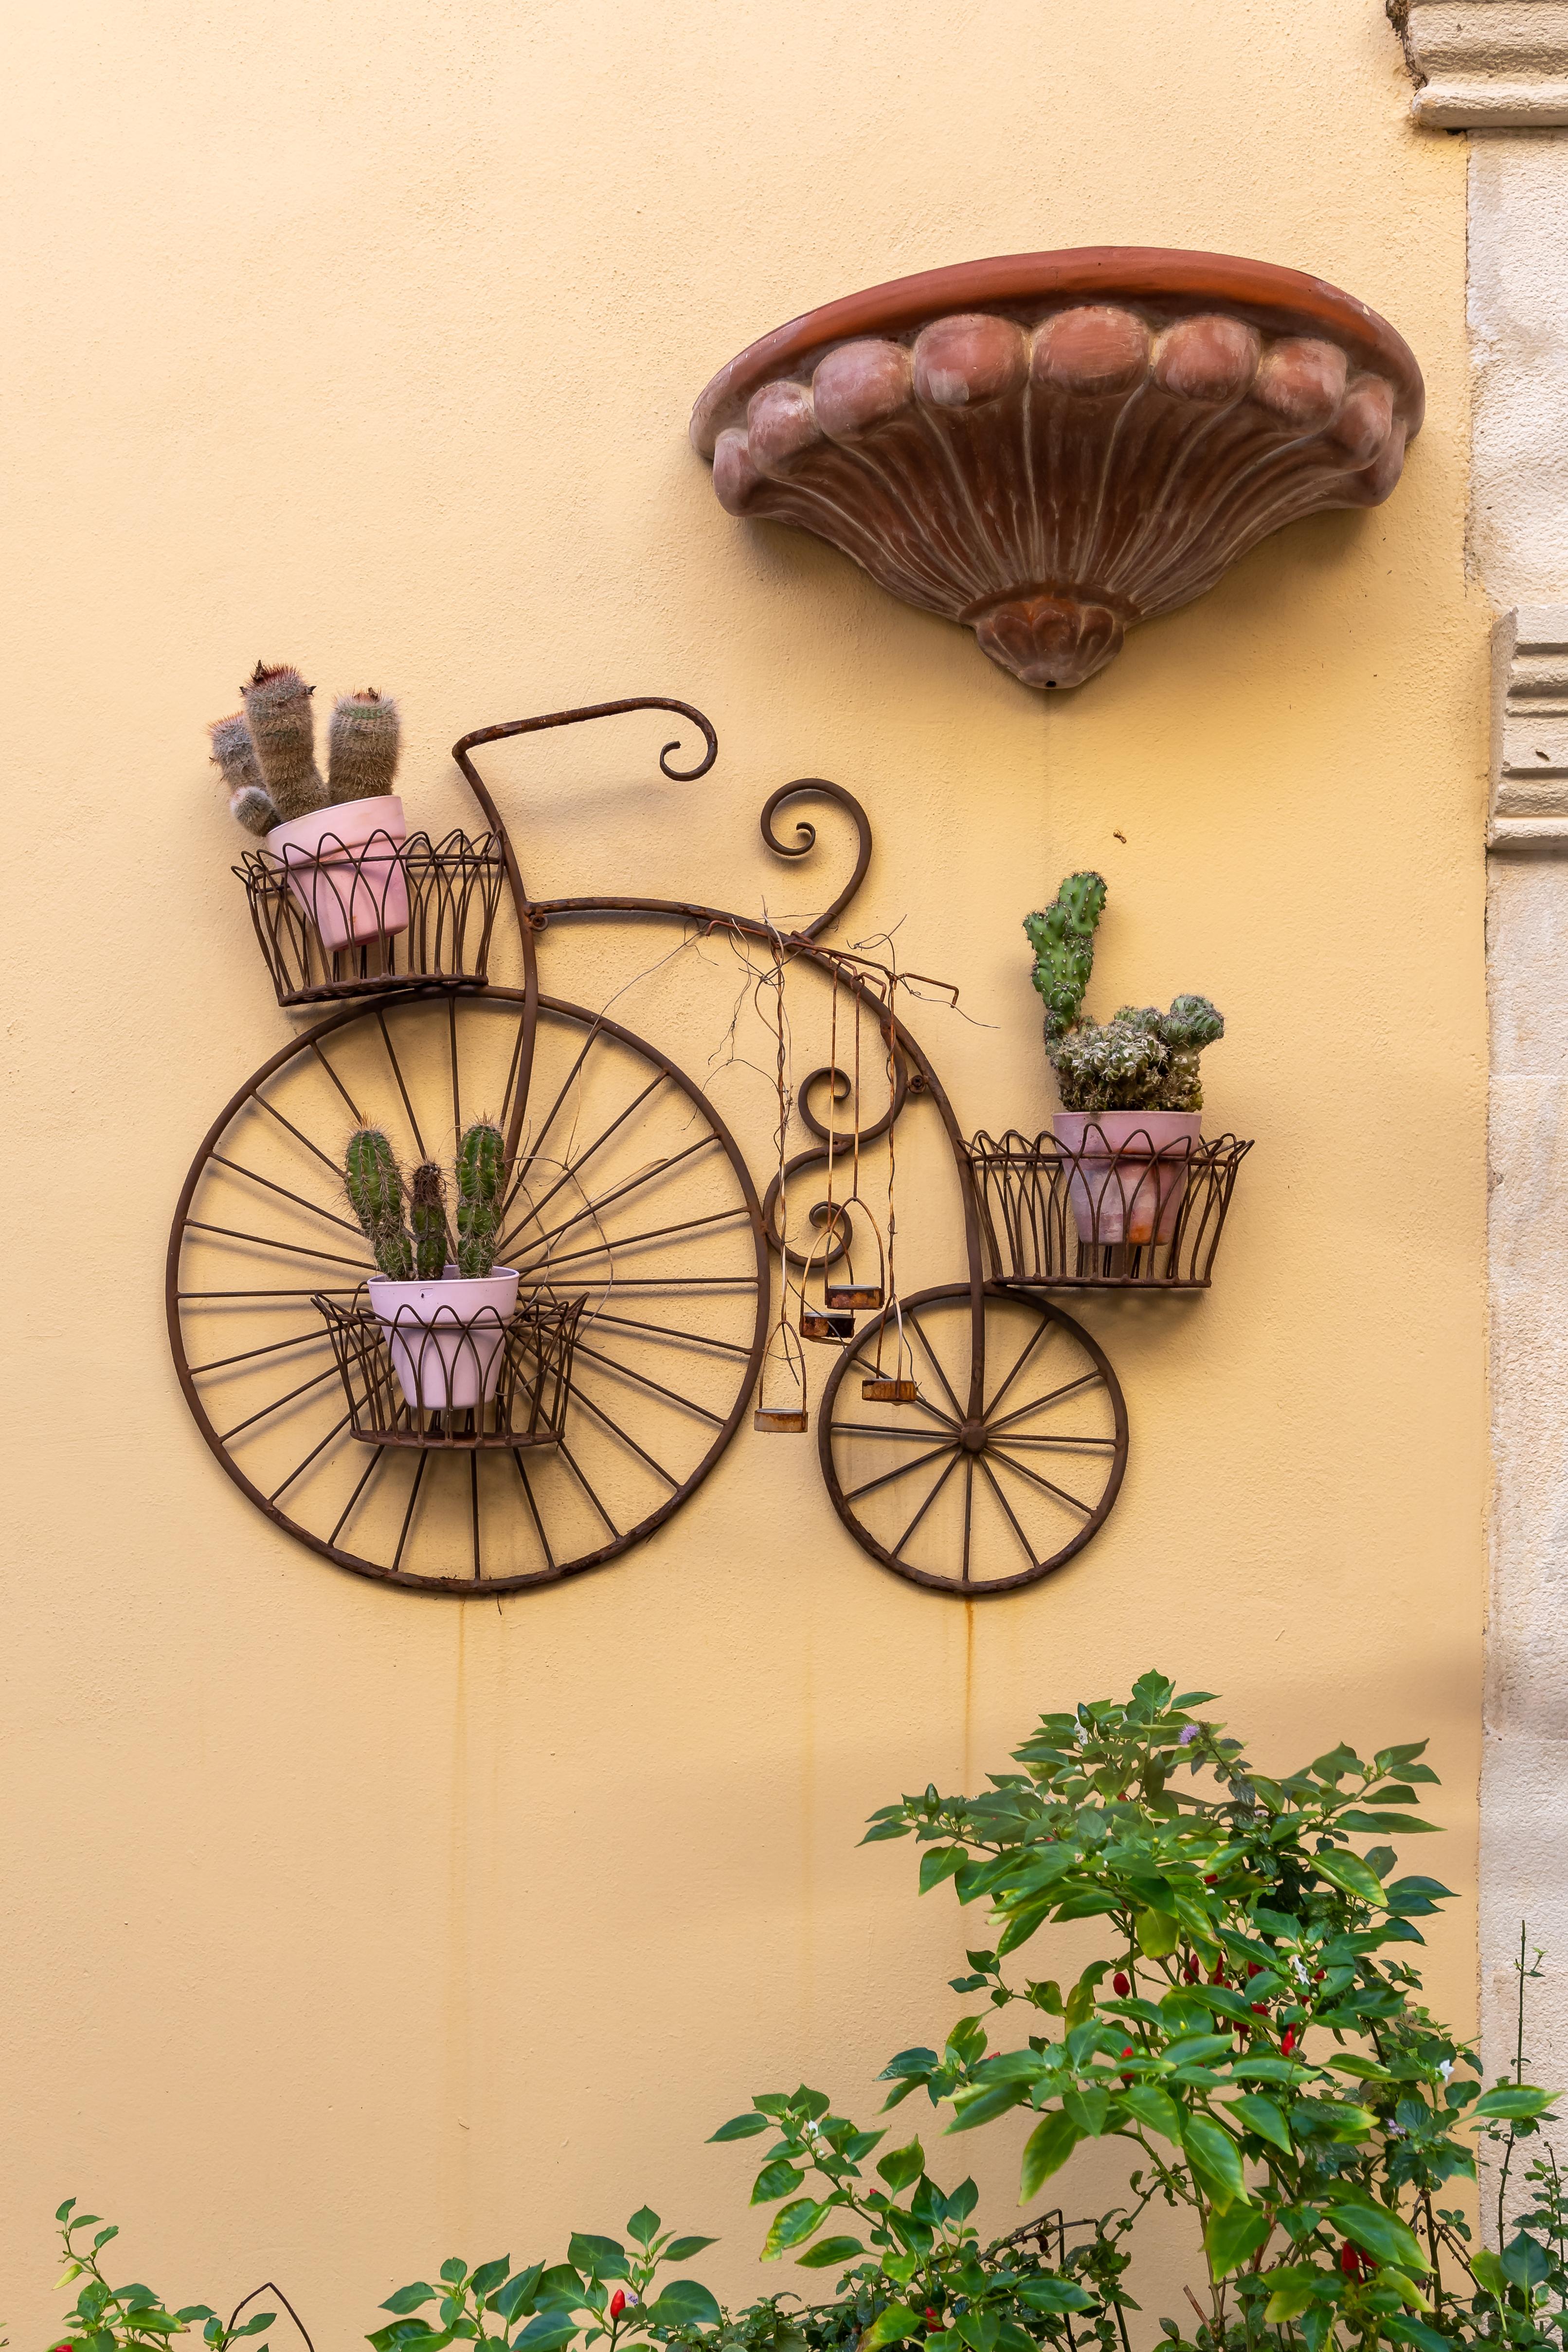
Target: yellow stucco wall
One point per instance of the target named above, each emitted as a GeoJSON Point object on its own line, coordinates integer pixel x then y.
{"type": "Point", "coordinates": [343, 1926]}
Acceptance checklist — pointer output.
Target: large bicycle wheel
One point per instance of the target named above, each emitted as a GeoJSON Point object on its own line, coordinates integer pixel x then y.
{"type": "Point", "coordinates": [629, 1192]}
{"type": "Point", "coordinates": [974, 1505]}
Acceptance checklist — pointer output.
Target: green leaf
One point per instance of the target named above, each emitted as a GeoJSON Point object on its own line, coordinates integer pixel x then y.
{"type": "Point", "coordinates": [1513, 2103]}
{"type": "Point", "coordinates": [1211, 2148]}
{"type": "Point", "coordinates": [1289, 2300]}
{"type": "Point", "coordinates": [596, 2257]}
{"type": "Point", "coordinates": [829, 2250]}
{"type": "Point", "coordinates": [643, 2226]}
{"type": "Point", "coordinates": [1047, 2148]}
{"type": "Point", "coordinates": [410, 2298]}
{"type": "Point", "coordinates": [939, 1861]}
{"type": "Point", "coordinates": [741, 2127]}
{"type": "Point", "coordinates": [1053, 2294]}
{"type": "Point", "coordinates": [454, 2270]}
{"type": "Point", "coordinates": [900, 2166]}
{"type": "Point", "coordinates": [1404, 2329]}
{"type": "Point", "coordinates": [893, 2325]}
{"type": "Point", "coordinates": [1088, 2109]}
{"type": "Point", "coordinates": [1157, 1933]}
{"type": "Point", "coordinates": [1381, 2234]}
{"type": "Point", "coordinates": [488, 2275]}
{"type": "Point", "coordinates": [1489, 2271]}
{"type": "Point", "coordinates": [775, 2181]}
{"type": "Point", "coordinates": [1151, 2106]}
{"type": "Point", "coordinates": [681, 2250]}
{"type": "Point", "coordinates": [1391, 1824]}
{"type": "Point", "coordinates": [792, 2227]}
{"type": "Point", "coordinates": [1348, 1872]}
{"type": "Point", "coordinates": [1233, 2237]}
{"type": "Point", "coordinates": [1262, 2116]}
{"type": "Point", "coordinates": [684, 2303]}
{"type": "Point", "coordinates": [546, 2333]}
{"type": "Point", "coordinates": [984, 2104]}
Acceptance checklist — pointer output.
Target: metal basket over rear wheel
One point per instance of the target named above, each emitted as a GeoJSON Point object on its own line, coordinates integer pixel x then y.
{"type": "Point", "coordinates": [1106, 1217]}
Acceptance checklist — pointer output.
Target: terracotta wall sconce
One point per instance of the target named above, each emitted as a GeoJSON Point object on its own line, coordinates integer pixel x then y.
{"type": "Point", "coordinates": [1050, 446]}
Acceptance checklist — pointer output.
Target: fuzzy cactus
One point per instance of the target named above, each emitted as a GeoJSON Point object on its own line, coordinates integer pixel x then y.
{"type": "Point", "coordinates": [1141, 1059]}
{"type": "Point", "coordinates": [427, 1216]}
{"type": "Point", "coordinates": [1062, 938]}
{"type": "Point", "coordinates": [234, 755]}
{"type": "Point", "coordinates": [481, 1179]}
{"type": "Point", "coordinates": [374, 1185]}
{"type": "Point", "coordinates": [277, 715]}
{"type": "Point", "coordinates": [362, 746]}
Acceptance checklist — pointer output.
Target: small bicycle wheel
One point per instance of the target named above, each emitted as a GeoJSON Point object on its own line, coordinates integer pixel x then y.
{"type": "Point", "coordinates": [982, 1504]}
{"type": "Point", "coordinates": [629, 1194]}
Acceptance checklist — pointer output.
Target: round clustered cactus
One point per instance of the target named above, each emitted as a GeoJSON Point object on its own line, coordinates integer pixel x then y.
{"type": "Point", "coordinates": [376, 1195]}
{"type": "Point", "coordinates": [265, 752]}
{"type": "Point", "coordinates": [1142, 1058]}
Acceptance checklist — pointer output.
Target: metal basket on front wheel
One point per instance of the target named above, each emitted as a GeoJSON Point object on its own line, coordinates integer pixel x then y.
{"type": "Point", "coordinates": [379, 916]}
{"type": "Point", "coordinates": [482, 1381]}
{"type": "Point", "coordinates": [1110, 1215]}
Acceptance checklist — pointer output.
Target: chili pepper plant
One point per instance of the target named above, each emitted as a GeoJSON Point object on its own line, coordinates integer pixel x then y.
{"type": "Point", "coordinates": [1252, 2032]}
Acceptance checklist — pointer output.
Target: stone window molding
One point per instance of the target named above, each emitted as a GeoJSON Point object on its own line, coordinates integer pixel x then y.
{"type": "Point", "coordinates": [1530, 731]}
{"type": "Point", "coordinates": [1485, 64]}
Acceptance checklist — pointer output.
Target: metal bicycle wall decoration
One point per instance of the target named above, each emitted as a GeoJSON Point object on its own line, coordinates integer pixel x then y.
{"type": "Point", "coordinates": [972, 1436]}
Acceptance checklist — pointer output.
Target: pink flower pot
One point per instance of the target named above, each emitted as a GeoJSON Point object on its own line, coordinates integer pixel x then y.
{"type": "Point", "coordinates": [1128, 1171]}
{"type": "Point", "coordinates": [344, 871]}
{"type": "Point", "coordinates": [446, 1338]}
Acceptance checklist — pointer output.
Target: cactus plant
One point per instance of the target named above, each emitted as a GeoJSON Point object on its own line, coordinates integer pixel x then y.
{"type": "Point", "coordinates": [234, 755]}
{"type": "Point", "coordinates": [427, 1215]}
{"type": "Point", "coordinates": [375, 1188]}
{"type": "Point", "coordinates": [374, 1185]}
{"type": "Point", "coordinates": [362, 747]}
{"type": "Point", "coordinates": [1141, 1059]}
{"type": "Point", "coordinates": [278, 714]}
{"type": "Point", "coordinates": [481, 1177]}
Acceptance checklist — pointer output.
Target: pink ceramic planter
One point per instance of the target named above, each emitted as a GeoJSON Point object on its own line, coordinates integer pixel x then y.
{"type": "Point", "coordinates": [345, 870]}
{"type": "Point", "coordinates": [1130, 1174]}
{"type": "Point", "coordinates": [446, 1338]}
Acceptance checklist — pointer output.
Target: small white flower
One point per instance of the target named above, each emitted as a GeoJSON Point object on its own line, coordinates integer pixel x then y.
{"type": "Point", "coordinates": [1445, 2069]}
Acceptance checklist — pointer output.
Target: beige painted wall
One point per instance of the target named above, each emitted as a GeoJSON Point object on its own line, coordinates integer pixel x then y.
{"type": "Point", "coordinates": [343, 1926]}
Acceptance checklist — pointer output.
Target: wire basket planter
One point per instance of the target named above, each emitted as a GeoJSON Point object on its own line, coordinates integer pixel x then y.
{"type": "Point", "coordinates": [482, 1381]}
{"type": "Point", "coordinates": [1109, 1216]}
{"type": "Point", "coordinates": [376, 916]}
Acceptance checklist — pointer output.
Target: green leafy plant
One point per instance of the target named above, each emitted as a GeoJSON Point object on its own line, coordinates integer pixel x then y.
{"type": "Point", "coordinates": [266, 752]}
{"type": "Point", "coordinates": [133, 2318]}
{"type": "Point", "coordinates": [604, 2292]}
{"type": "Point", "coordinates": [374, 1183]}
{"type": "Point", "coordinates": [1141, 1059]}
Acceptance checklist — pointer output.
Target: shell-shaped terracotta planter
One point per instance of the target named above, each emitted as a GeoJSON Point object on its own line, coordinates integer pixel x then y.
{"type": "Point", "coordinates": [1052, 447]}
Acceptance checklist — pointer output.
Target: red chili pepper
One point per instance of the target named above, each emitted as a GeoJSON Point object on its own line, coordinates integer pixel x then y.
{"type": "Point", "coordinates": [1217, 1976]}
{"type": "Point", "coordinates": [1244, 2030]}
{"type": "Point", "coordinates": [1259, 2009]}
{"type": "Point", "coordinates": [931, 2311]}
{"type": "Point", "coordinates": [1353, 2263]}
{"type": "Point", "coordinates": [1318, 1974]}
{"type": "Point", "coordinates": [617, 2303]}
{"type": "Point", "coordinates": [1254, 1969]}
{"type": "Point", "coordinates": [1210, 1879]}
{"type": "Point", "coordinates": [1191, 1970]}
{"type": "Point", "coordinates": [1122, 1984]}
{"type": "Point", "coordinates": [1287, 2039]}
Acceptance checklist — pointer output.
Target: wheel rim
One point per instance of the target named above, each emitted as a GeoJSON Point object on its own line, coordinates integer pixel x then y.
{"type": "Point", "coordinates": [988, 1507]}
{"type": "Point", "coordinates": [629, 1189]}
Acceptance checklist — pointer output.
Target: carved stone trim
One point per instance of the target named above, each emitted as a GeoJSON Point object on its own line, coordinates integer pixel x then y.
{"type": "Point", "coordinates": [1530, 730]}
{"type": "Point", "coordinates": [1486, 65]}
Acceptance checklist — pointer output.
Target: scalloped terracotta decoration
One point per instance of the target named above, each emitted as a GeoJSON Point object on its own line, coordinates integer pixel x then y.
{"type": "Point", "coordinates": [1052, 447]}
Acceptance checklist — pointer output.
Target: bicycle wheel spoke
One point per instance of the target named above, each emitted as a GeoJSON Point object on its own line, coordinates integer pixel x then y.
{"type": "Point", "coordinates": [336, 1081]}
{"type": "Point", "coordinates": [919, 1331]}
{"type": "Point", "coordinates": [473, 1464]}
{"type": "Point", "coordinates": [456, 1097]}
{"type": "Point", "coordinates": [925, 1505]}
{"type": "Point", "coordinates": [533, 1508]}
{"type": "Point", "coordinates": [534, 1142]}
{"type": "Point", "coordinates": [1025, 1352]}
{"type": "Point", "coordinates": [631, 1240]}
{"type": "Point", "coordinates": [1064, 1445]}
{"type": "Point", "coordinates": [336, 1431]}
{"type": "Point", "coordinates": [303, 1389]}
{"type": "Point", "coordinates": [567, 1455]}
{"type": "Point", "coordinates": [300, 1137]}
{"type": "Point", "coordinates": [397, 1073]}
{"type": "Point", "coordinates": [316, 1338]}
{"type": "Point", "coordinates": [968, 1511]}
{"type": "Point", "coordinates": [1028, 1551]}
{"type": "Point", "coordinates": [1021, 1470]}
{"type": "Point", "coordinates": [673, 1331]}
{"type": "Point", "coordinates": [297, 1198]}
{"type": "Point", "coordinates": [583, 1158]}
{"type": "Point", "coordinates": [420, 1468]}
{"type": "Point", "coordinates": [378, 1455]}
{"type": "Point", "coordinates": [266, 1241]}
{"type": "Point", "coordinates": [1053, 1396]}
{"type": "Point", "coordinates": [687, 1404]}
{"type": "Point", "coordinates": [900, 1470]}
{"type": "Point", "coordinates": [877, 1429]}
{"type": "Point", "coordinates": [581, 1396]}
{"type": "Point", "coordinates": [596, 1208]}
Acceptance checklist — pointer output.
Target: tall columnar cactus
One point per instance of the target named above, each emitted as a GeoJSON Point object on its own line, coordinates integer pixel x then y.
{"type": "Point", "coordinates": [362, 746]}
{"type": "Point", "coordinates": [1141, 1059]}
{"type": "Point", "coordinates": [427, 1215]}
{"type": "Point", "coordinates": [1062, 938]}
{"type": "Point", "coordinates": [481, 1179]}
{"type": "Point", "coordinates": [234, 755]}
{"type": "Point", "coordinates": [374, 1184]}
{"type": "Point", "coordinates": [277, 713]}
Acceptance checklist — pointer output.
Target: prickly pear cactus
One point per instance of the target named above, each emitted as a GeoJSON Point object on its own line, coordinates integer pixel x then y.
{"type": "Point", "coordinates": [427, 1216]}
{"type": "Point", "coordinates": [481, 1178]}
{"type": "Point", "coordinates": [278, 714]}
{"type": "Point", "coordinates": [374, 1185]}
{"type": "Point", "coordinates": [234, 755]}
{"type": "Point", "coordinates": [362, 747]}
{"type": "Point", "coordinates": [1062, 938]}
